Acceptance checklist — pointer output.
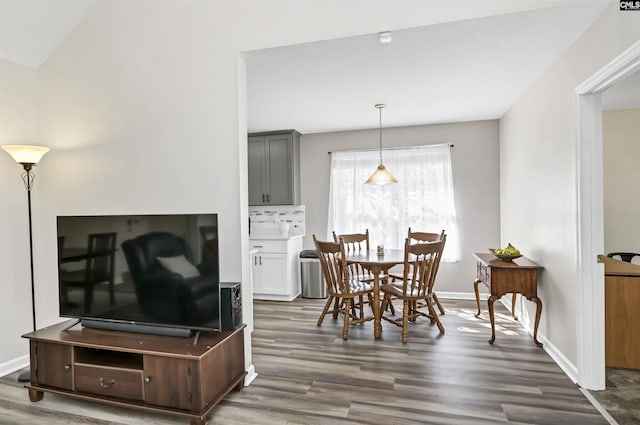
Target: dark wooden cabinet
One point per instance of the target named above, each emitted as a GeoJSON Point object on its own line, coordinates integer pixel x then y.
{"type": "Point", "coordinates": [56, 370]}
{"type": "Point", "coordinates": [502, 277]}
{"type": "Point", "coordinates": [149, 372]}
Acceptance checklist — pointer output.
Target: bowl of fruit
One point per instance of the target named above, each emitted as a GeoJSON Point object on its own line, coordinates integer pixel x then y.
{"type": "Point", "coordinates": [509, 253]}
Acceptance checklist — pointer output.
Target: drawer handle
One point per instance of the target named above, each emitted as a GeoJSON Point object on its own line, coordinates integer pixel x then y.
{"type": "Point", "coordinates": [107, 385]}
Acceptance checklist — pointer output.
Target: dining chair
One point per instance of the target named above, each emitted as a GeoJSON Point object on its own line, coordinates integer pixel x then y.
{"type": "Point", "coordinates": [99, 268]}
{"type": "Point", "coordinates": [629, 257]}
{"type": "Point", "coordinates": [421, 263]}
{"type": "Point", "coordinates": [343, 289]}
{"type": "Point", "coordinates": [355, 243]}
{"type": "Point", "coordinates": [422, 237]}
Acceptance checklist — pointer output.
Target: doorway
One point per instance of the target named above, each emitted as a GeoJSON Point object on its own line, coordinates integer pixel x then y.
{"type": "Point", "coordinates": [590, 203]}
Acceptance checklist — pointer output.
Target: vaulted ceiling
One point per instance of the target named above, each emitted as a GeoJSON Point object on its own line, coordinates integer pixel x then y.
{"type": "Point", "coordinates": [459, 70]}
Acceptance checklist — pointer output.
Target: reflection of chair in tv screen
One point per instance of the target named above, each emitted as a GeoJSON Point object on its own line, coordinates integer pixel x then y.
{"type": "Point", "coordinates": [168, 286]}
{"type": "Point", "coordinates": [99, 268]}
{"type": "Point", "coordinates": [209, 248]}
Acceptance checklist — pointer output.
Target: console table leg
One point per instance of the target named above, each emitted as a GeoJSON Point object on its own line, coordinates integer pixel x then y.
{"type": "Point", "coordinates": [475, 288]}
{"type": "Point", "coordinates": [35, 395]}
{"type": "Point", "coordinates": [538, 314]}
{"type": "Point", "coordinates": [200, 421]}
{"type": "Point", "coordinates": [490, 302]}
{"type": "Point", "coordinates": [513, 305]}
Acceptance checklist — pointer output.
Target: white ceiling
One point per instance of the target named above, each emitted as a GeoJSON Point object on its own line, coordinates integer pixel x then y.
{"type": "Point", "coordinates": [30, 30]}
{"type": "Point", "coordinates": [456, 71]}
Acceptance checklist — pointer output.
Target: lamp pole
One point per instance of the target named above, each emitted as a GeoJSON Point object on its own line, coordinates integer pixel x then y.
{"type": "Point", "coordinates": [28, 177]}
{"type": "Point", "coordinates": [28, 157]}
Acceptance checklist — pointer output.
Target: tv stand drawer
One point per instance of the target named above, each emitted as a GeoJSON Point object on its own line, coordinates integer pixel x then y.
{"type": "Point", "coordinates": [109, 381]}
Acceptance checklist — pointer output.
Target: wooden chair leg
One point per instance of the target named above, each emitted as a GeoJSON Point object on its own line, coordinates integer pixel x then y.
{"type": "Point", "coordinates": [434, 315]}
{"type": "Point", "coordinates": [325, 310]}
{"type": "Point", "coordinates": [435, 298]}
{"type": "Point", "coordinates": [345, 330]}
{"type": "Point", "coordinates": [391, 308]}
{"type": "Point", "coordinates": [405, 320]}
{"type": "Point", "coordinates": [336, 308]}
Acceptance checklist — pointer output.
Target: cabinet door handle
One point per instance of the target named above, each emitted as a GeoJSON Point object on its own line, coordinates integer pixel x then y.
{"type": "Point", "coordinates": [261, 260]}
{"type": "Point", "coordinates": [147, 379]}
{"type": "Point", "coordinates": [108, 384]}
{"type": "Point", "coordinates": [255, 261]}
{"type": "Point", "coordinates": [67, 367]}
{"type": "Point", "coordinates": [263, 197]}
{"type": "Point", "coordinates": [268, 198]}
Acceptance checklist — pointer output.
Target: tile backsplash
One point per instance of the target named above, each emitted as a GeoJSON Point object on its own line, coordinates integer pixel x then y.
{"type": "Point", "coordinates": [292, 214]}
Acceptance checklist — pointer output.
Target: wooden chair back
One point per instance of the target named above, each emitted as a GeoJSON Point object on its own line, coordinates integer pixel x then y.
{"type": "Point", "coordinates": [334, 266]}
{"type": "Point", "coordinates": [425, 236]}
{"type": "Point", "coordinates": [355, 243]}
{"type": "Point", "coordinates": [421, 263]}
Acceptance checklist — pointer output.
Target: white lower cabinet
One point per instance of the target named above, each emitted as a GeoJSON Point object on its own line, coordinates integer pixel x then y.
{"type": "Point", "coordinates": [275, 269]}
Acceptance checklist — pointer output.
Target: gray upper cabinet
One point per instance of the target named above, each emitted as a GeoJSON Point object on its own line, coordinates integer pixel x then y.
{"type": "Point", "coordinates": [274, 168]}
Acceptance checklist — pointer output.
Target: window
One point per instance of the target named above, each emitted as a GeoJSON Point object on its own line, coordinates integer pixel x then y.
{"type": "Point", "coordinates": [423, 200]}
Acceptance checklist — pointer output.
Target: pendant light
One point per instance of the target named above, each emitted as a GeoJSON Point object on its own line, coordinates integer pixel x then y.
{"type": "Point", "coordinates": [381, 176]}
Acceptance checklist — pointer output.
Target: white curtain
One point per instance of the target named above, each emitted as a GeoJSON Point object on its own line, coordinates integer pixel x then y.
{"type": "Point", "coordinates": [423, 199]}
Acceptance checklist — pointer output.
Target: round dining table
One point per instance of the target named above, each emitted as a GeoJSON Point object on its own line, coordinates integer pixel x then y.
{"type": "Point", "coordinates": [377, 265]}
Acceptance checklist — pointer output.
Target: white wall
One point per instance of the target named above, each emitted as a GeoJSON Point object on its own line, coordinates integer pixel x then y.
{"type": "Point", "coordinates": [538, 173]}
{"type": "Point", "coordinates": [475, 177]}
{"type": "Point", "coordinates": [620, 130]}
{"type": "Point", "coordinates": [18, 125]}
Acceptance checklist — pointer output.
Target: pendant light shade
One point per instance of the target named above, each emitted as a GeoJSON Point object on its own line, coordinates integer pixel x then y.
{"type": "Point", "coordinates": [381, 175]}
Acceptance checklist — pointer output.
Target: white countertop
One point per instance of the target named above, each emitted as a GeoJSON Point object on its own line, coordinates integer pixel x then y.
{"type": "Point", "coordinates": [273, 237]}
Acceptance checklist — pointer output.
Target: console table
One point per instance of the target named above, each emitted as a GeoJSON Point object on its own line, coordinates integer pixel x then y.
{"type": "Point", "coordinates": [519, 276]}
{"type": "Point", "coordinates": [153, 373]}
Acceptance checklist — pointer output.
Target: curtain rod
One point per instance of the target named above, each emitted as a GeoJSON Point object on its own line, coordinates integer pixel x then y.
{"type": "Point", "coordinates": [395, 149]}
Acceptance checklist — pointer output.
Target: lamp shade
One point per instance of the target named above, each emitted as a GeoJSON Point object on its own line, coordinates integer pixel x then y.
{"type": "Point", "coordinates": [25, 154]}
{"type": "Point", "coordinates": [381, 177]}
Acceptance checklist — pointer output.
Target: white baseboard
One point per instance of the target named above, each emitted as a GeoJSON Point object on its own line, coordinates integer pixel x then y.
{"type": "Point", "coordinates": [13, 365]}
{"type": "Point", "coordinates": [250, 376]}
{"type": "Point", "coordinates": [461, 296]}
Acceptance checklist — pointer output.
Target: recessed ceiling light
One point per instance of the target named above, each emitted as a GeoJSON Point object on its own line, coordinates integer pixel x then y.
{"type": "Point", "coordinates": [385, 37]}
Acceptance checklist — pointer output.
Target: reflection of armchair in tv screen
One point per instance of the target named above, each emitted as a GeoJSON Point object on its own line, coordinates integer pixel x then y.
{"type": "Point", "coordinates": [169, 286]}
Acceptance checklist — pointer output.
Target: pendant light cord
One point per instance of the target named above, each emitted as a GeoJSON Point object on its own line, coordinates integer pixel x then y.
{"type": "Point", "coordinates": [380, 135]}
{"type": "Point", "coordinates": [380, 106]}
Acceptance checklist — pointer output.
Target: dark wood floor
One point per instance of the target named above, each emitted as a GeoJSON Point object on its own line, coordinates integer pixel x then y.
{"type": "Point", "coordinates": [309, 375]}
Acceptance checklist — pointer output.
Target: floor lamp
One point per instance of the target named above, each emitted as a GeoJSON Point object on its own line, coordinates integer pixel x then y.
{"type": "Point", "coordinates": [28, 157]}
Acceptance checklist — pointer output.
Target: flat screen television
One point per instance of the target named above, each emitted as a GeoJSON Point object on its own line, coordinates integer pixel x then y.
{"type": "Point", "coordinates": [155, 273]}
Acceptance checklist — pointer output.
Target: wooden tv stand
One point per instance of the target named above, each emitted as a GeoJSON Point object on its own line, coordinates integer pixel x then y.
{"type": "Point", "coordinates": [153, 373]}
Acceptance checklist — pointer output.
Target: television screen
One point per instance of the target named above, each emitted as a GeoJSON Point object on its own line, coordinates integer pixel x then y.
{"type": "Point", "coordinates": [148, 270]}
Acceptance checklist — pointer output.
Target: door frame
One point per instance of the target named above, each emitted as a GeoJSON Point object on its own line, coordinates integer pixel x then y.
{"type": "Point", "coordinates": [590, 216]}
